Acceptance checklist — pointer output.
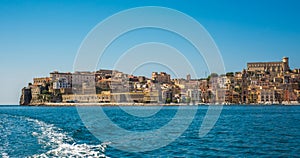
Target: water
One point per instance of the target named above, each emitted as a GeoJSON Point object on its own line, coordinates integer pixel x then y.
{"type": "Point", "coordinates": [241, 131]}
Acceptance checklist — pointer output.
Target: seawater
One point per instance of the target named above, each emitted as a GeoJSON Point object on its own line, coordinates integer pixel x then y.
{"type": "Point", "coordinates": [241, 131]}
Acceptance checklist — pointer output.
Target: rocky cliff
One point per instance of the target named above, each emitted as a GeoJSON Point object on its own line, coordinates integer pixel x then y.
{"type": "Point", "coordinates": [26, 96]}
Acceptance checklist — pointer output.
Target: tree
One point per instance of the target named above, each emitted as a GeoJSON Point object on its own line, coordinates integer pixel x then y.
{"type": "Point", "coordinates": [229, 74]}
{"type": "Point", "coordinates": [168, 100]}
{"type": "Point", "coordinates": [212, 75]}
{"type": "Point", "coordinates": [188, 99]}
{"type": "Point", "coordinates": [44, 91]}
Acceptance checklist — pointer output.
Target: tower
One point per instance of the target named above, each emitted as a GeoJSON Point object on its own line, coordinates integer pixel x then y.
{"type": "Point", "coordinates": [188, 77]}
{"type": "Point", "coordinates": [285, 64]}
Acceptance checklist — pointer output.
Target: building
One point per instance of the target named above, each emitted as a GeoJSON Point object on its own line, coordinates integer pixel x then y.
{"type": "Point", "coordinates": [61, 83]}
{"type": "Point", "coordinates": [266, 95]}
{"type": "Point", "coordinates": [26, 96]}
{"type": "Point", "coordinates": [103, 74]}
{"type": "Point", "coordinates": [188, 77]}
{"type": "Point", "coordinates": [78, 78]}
{"type": "Point", "coordinates": [222, 81]}
{"type": "Point", "coordinates": [260, 83]}
{"type": "Point", "coordinates": [56, 75]}
{"type": "Point", "coordinates": [276, 67]}
{"type": "Point", "coordinates": [163, 77]}
{"type": "Point", "coordinates": [194, 95]}
{"type": "Point", "coordinates": [166, 96]}
{"type": "Point", "coordinates": [103, 97]}
{"type": "Point", "coordinates": [41, 81]}
{"type": "Point", "coordinates": [269, 95]}
{"type": "Point", "coordinates": [81, 98]}
{"type": "Point", "coordinates": [221, 96]}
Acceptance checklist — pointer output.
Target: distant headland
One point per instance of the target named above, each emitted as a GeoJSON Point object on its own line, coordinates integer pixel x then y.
{"type": "Point", "coordinates": [260, 83]}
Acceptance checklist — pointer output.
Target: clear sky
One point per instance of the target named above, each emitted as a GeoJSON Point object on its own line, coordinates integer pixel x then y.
{"type": "Point", "coordinates": [39, 36]}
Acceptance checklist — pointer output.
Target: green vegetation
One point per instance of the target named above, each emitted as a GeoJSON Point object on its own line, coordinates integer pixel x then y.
{"type": "Point", "coordinates": [168, 100]}
{"type": "Point", "coordinates": [230, 74]}
{"type": "Point", "coordinates": [212, 75]}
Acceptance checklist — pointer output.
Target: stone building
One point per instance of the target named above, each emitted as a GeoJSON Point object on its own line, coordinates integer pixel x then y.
{"type": "Point", "coordinates": [163, 77]}
{"type": "Point", "coordinates": [41, 81]}
{"type": "Point", "coordinates": [61, 83]}
{"type": "Point", "coordinates": [56, 75]}
{"type": "Point", "coordinates": [78, 78]}
{"type": "Point", "coordinates": [26, 96]}
{"type": "Point", "coordinates": [276, 67]}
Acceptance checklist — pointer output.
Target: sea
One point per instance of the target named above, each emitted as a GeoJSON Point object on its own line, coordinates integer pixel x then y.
{"type": "Point", "coordinates": [238, 131]}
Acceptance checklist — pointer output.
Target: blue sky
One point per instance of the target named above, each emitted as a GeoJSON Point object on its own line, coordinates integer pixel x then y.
{"type": "Point", "coordinates": [41, 36]}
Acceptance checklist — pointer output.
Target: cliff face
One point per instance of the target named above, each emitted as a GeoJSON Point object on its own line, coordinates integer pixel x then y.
{"type": "Point", "coordinates": [38, 95]}
{"type": "Point", "coordinates": [26, 96]}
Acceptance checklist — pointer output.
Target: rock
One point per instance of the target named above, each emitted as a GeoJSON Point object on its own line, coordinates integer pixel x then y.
{"type": "Point", "coordinates": [26, 96]}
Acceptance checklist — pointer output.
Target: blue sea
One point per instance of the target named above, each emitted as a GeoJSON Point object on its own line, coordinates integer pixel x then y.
{"type": "Point", "coordinates": [240, 131]}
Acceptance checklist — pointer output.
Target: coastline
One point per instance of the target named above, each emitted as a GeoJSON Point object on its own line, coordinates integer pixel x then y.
{"type": "Point", "coordinates": [110, 104]}
{"type": "Point", "coordinates": [151, 104]}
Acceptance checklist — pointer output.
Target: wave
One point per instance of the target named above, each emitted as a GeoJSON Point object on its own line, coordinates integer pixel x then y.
{"type": "Point", "coordinates": [4, 155]}
{"type": "Point", "coordinates": [62, 145]}
{"type": "Point", "coordinates": [54, 141]}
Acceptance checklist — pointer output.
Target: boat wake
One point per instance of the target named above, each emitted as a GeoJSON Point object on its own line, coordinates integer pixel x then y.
{"type": "Point", "coordinates": [53, 141]}
{"type": "Point", "coordinates": [62, 145]}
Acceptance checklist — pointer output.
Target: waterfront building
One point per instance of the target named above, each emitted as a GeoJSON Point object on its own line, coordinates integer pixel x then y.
{"type": "Point", "coordinates": [266, 95]}
{"type": "Point", "coordinates": [221, 96]}
{"type": "Point", "coordinates": [194, 95]}
{"type": "Point", "coordinates": [65, 91]}
{"type": "Point", "coordinates": [244, 87]}
{"type": "Point", "coordinates": [167, 95]}
{"type": "Point", "coordinates": [152, 96]}
{"type": "Point", "coordinates": [103, 97]}
{"type": "Point", "coordinates": [260, 83]}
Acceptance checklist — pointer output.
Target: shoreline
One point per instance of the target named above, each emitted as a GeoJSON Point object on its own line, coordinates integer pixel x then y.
{"type": "Point", "coordinates": [110, 104]}
{"type": "Point", "coordinates": [152, 104]}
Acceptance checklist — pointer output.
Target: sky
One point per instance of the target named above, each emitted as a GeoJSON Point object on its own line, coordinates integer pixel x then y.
{"type": "Point", "coordinates": [40, 36]}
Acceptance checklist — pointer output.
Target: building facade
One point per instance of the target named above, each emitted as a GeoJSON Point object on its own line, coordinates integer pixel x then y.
{"type": "Point", "coordinates": [277, 67]}
{"type": "Point", "coordinates": [161, 77]}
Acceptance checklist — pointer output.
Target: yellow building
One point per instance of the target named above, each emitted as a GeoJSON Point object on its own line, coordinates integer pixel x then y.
{"type": "Point", "coordinates": [40, 81]}
{"type": "Point", "coordinates": [277, 67]}
{"type": "Point", "coordinates": [104, 97]}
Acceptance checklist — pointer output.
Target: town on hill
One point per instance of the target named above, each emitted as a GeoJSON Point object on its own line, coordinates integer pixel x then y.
{"type": "Point", "coordinates": [260, 83]}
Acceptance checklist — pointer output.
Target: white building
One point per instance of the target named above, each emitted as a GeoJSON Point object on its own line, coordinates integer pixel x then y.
{"type": "Point", "coordinates": [54, 76]}
{"type": "Point", "coordinates": [266, 95]}
{"type": "Point", "coordinates": [78, 78]}
{"type": "Point", "coordinates": [61, 83]}
{"type": "Point", "coordinates": [222, 81]}
{"type": "Point", "coordinates": [194, 95]}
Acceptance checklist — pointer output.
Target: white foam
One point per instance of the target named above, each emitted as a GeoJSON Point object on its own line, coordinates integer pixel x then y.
{"type": "Point", "coordinates": [76, 150]}
{"type": "Point", "coordinates": [5, 155]}
{"type": "Point", "coordinates": [61, 145]}
{"type": "Point", "coordinates": [5, 133]}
